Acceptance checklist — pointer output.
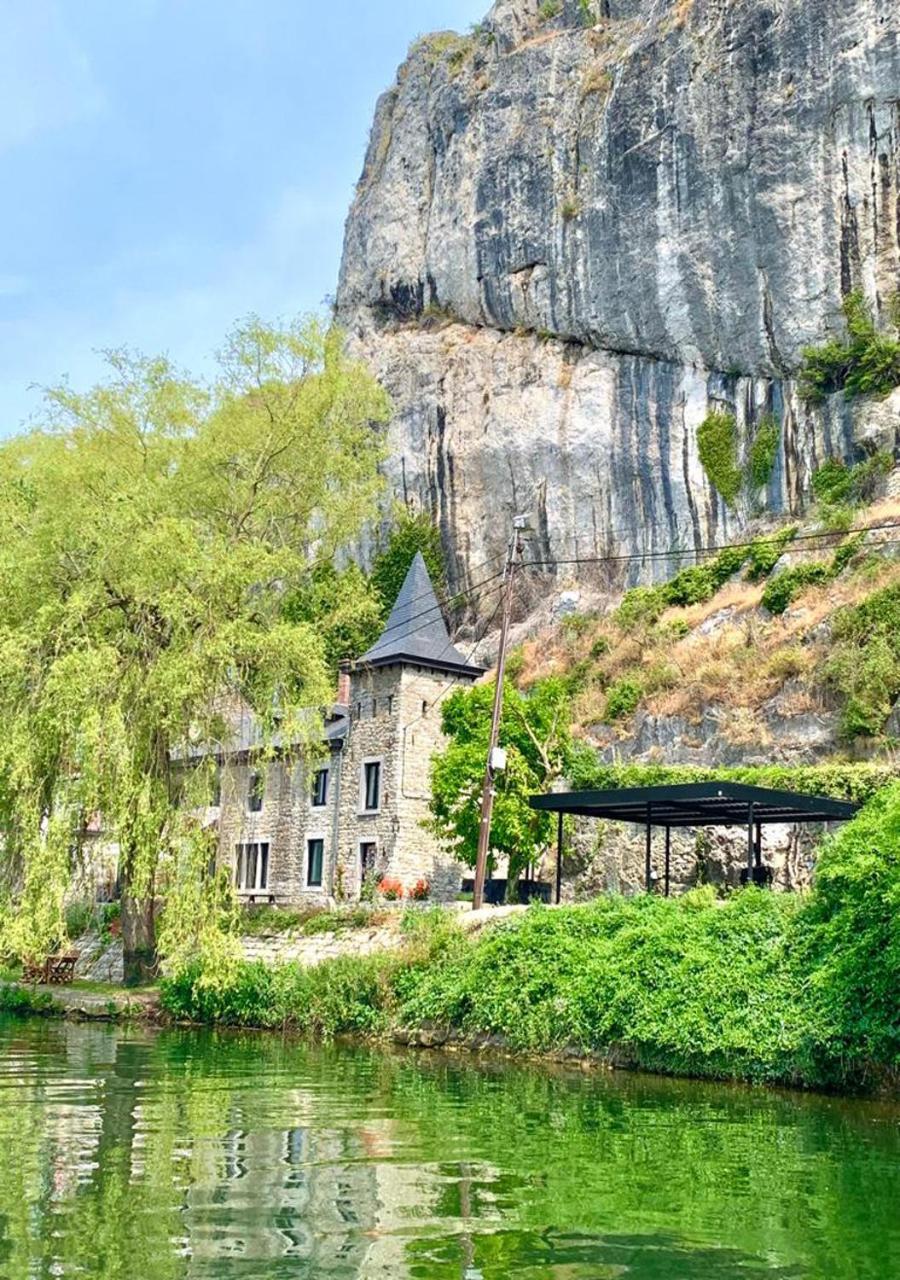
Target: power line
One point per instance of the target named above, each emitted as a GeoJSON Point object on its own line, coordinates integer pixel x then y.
{"type": "Point", "coordinates": [673, 553]}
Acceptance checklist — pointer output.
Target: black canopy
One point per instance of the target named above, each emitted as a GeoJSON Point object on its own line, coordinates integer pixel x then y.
{"type": "Point", "coordinates": [696, 804]}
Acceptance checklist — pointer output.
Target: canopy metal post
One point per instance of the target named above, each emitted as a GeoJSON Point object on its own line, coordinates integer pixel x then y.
{"type": "Point", "coordinates": [559, 857]}
{"type": "Point", "coordinates": [759, 844]}
{"type": "Point", "coordinates": [648, 865]}
{"type": "Point", "coordinates": [751, 840]}
{"type": "Point", "coordinates": [668, 857]}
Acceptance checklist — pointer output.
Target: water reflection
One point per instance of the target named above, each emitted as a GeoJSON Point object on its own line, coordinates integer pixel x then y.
{"type": "Point", "coordinates": [181, 1154]}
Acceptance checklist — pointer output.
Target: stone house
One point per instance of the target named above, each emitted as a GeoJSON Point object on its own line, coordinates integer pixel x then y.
{"type": "Point", "coordinates": [302, 833]}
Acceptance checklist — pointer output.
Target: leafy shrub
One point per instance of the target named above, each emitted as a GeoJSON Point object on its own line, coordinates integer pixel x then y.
{"type": "Point", "coordinates": [867, 363]}
{"type": "Point", "coordinates": [849, 943]}
{"type": "Point", "coordinates": [391, 890]}
{"type": "Point", "coordinates": [837, 485]}
{"type": "Point", "coordinates": [781, 590]}
{"type": "Point", "coordinates": [763, 451]}
{"type": "Point", "coordinates": [681, 984]}
{"type": "Point", "coordinates": [865, 661]}
{"type": "Point", "coordinates": [690, 586]}
{"type": "Point", "coordinates": [640, 607]}
{"type": "Point", "coordinates": [549, 10]}
{"type": "Point", "coordinates": [22, 1000]}
{"type": "Point", "coordinates": [717, 447]}
{"type": "Point", "coordinates": [80, 917]}
{"type": "Point", "coordinates": [258, 921]}
{"type": "Point", "coordinates": [349, 993]}
{"type": "Point", "coordinates": [764, 553]}
{"type": "Point", "coordinates": [622, 698]}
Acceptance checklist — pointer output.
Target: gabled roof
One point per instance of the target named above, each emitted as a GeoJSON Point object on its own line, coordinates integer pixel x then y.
{"type": "Point", "coordinates": [415, 632]}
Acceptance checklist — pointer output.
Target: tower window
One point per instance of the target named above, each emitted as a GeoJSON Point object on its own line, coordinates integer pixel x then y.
{"type": "Point", "coordinates": [371, 786]}
{"type": "Point", "coordinates": [315, 858]}
{"type": "Point", "coordinates": [320, 789]}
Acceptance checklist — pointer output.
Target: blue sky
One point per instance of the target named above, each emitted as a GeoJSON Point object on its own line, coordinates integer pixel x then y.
{"type": "Point", "coordinates": [168, 166]}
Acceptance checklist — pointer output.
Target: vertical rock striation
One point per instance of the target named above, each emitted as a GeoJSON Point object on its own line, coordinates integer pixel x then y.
{"type": "Point", "coordinates": [586, 224]}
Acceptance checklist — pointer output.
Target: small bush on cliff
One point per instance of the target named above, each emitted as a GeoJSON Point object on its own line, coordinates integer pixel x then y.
{"type": "Point", "coordinates": [622, 698]}
{"type": "Point", "coordinates": [865, 661]}
{"type": "Point", "coordinates": [866, 363]}
{"type": "Point", "coordinates": [836, 484]}
{"type": "Point", "coordinates": [781, 591]}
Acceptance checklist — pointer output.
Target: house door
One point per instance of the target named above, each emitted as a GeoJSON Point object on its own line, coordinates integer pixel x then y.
{"type": "Point", "coordinates": [368, 851]}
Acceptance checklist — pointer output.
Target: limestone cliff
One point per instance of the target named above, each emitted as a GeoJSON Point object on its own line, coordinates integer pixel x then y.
{"type": "Point", "coordinates": [589, 222]}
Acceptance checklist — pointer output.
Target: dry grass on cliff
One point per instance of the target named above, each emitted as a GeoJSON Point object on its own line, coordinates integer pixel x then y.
{"type": "Point", "coordinates": [726, 652]}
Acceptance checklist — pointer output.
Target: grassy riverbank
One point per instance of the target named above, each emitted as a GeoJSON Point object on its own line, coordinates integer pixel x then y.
{"type": "Point", "coordinates": [758, 987]}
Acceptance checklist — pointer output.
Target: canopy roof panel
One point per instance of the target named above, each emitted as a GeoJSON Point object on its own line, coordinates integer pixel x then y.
{"type": "Point", "coordinates": [697, 804]}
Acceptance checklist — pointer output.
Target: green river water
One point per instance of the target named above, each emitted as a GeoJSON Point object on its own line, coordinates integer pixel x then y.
{"type": "Point", "coordinates": [148, 1155]}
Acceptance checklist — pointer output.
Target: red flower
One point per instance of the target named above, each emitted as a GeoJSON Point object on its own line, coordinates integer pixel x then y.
{"type": "Point", "coordinates": [390, 889]}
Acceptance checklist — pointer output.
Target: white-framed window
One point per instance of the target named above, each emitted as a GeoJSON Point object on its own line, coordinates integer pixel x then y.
{"type": "Point", "coordinates": [255, 789]}
{"type": "Point", "coordinates": [315, 862]}
{"type": "Point", "coordinates": [370, 786]}
{"type": "Point", "coordinates": [251, 867]}
{"type": "Point", "coordinates": [368, 856]}
{"type": "Point", "coordinates": [319, 796]}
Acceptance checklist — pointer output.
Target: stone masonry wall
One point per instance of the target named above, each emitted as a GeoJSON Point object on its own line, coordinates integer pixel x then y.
{"type": "Point", "coordinates": [286, 821]}
{"type": "Point", "coordinates": [417, 852]}
{"type": "Point", "coordinates": [374, 735]}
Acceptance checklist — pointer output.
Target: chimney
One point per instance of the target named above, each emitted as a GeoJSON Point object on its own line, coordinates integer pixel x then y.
{"type": "Point", "coordinates": [343, 687]}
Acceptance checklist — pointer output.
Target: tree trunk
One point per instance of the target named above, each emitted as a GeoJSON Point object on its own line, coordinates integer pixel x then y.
{"type": "Point", "coordinates": [139, 939]}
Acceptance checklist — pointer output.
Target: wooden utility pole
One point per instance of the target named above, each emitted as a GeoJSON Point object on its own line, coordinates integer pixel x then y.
{"type": "Point", "coordinates": [487, 797]}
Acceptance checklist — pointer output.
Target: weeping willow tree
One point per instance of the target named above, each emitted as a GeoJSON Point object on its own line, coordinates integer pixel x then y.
{"type": "Point", "coordinates": [152, 530]}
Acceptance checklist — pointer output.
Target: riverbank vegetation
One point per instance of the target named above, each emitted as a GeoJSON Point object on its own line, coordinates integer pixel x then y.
{"type": "Point", "coordinates": [798, 989]}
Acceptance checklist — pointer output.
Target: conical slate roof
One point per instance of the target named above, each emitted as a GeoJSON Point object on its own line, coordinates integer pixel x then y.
{"type": "Point", "coordinates": [415, 632]}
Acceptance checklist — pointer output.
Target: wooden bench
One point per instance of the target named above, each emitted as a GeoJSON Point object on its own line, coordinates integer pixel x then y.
{"type": "Point", "coordinates": [57, 970]}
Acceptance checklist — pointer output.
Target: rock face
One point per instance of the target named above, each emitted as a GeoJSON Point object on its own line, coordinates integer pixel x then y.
{"type": "Point", "coordinates": [578, 231]}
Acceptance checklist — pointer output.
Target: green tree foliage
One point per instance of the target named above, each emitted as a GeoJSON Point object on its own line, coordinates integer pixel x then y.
{"type": "Point", "coordinates": [408, 535]}
{"type": "Point", "coordinates": [535, 732]}
{"type": "Point", "coordinates": [152, 530]}
{"type": "Point", "coordinates": [343, 604]}
{"type": "Point", "coordinates": [867, 362]}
